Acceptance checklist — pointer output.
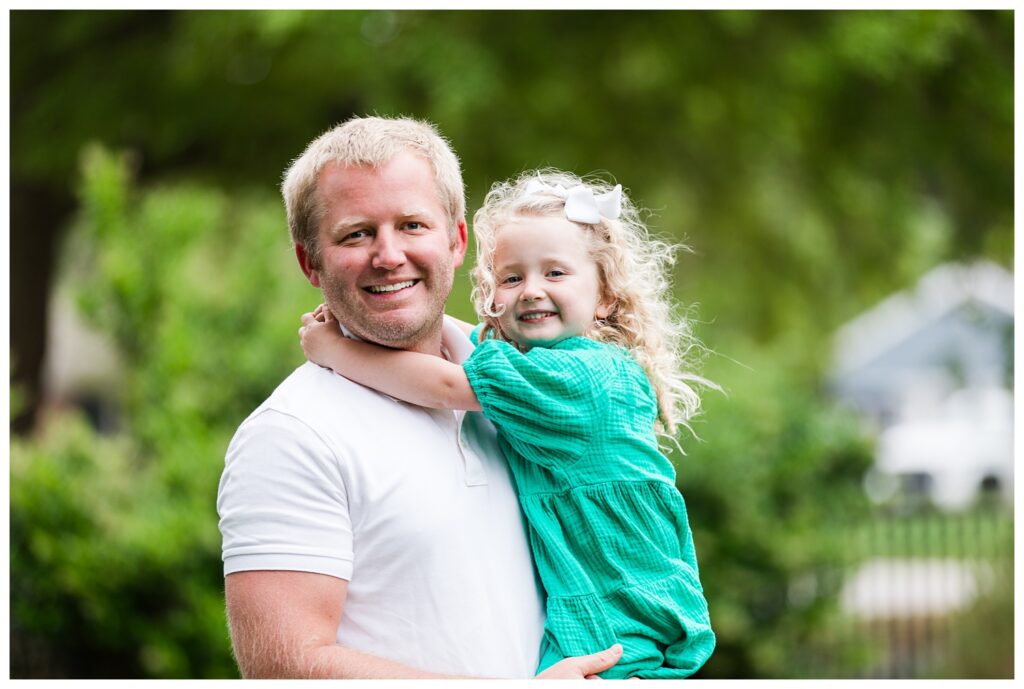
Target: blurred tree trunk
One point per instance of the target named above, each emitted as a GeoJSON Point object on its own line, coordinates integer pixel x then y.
{"type": "Point", "coordinates": [39, 213]}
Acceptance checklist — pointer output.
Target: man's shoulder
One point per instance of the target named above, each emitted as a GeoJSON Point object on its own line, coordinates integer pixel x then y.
{"type": "Point", "coordinates": [287, 392]}
{"type": "Point", "coordinates": [313, 395]}
{"type": "Point", "coordinates": [313, 413]}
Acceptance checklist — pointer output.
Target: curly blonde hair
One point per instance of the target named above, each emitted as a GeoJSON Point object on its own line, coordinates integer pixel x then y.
{"type": "Point", "coordinates": [633, 268]}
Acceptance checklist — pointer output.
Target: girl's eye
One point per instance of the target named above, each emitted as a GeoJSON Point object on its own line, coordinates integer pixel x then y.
{"type": "Point", "coordinates": [556, 273]}
{"type": "Point", "coordinates": [510, 279]}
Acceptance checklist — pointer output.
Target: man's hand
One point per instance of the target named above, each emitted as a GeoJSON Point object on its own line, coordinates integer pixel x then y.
{"type": "Point", "coordinates": [583, 667]}
{"type": "Point", "coordinates": [318, 332]}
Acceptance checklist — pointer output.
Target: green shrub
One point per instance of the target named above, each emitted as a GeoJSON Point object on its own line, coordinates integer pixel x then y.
{"type": "Point", "coordinates": [114, 570]}
{"type": "Point", "coordinates": [776, 474]}
{"type": "Point", "coordinates": [115, 551]}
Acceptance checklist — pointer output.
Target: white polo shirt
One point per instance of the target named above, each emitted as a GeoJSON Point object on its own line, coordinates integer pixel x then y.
{"type": "Point", "coordinates": [414, 507]}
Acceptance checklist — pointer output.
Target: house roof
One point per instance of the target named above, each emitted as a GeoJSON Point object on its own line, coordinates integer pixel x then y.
{"type": "Point", "coordinates": [939, 292]}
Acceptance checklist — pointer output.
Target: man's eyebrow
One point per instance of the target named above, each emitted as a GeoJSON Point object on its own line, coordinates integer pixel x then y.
{"type": "Point", "coordinates": [357, 222]}
{"type": "Point", "coordinates": [415, 213]}
{"type": "Point", "coordinates": [348, 224]}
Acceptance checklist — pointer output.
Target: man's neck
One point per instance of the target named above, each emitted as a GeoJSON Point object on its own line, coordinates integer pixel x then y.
{"type": "Point", "coordinates": [433, 344]}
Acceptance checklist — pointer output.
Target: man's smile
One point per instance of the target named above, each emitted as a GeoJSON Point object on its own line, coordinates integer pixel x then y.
{"type": "Point", "coordinates": [391, 288]}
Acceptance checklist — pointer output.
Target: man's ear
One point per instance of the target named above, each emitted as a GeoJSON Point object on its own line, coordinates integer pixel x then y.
{"type": "Point", "coordinates": [311, 273]}
{"type": "Point", "coordinates": [461, 241]}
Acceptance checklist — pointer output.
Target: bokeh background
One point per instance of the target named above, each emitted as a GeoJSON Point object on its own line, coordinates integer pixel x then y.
{"type": "Point", "coordinates": [816, 163]}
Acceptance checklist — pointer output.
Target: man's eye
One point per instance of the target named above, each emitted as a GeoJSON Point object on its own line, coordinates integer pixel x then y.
{"type": "Point", "coordinates": [413, 225]}
{"type": "Point", "coordinates": [355, 236]}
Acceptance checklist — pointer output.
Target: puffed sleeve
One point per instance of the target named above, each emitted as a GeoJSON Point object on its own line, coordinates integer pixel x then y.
{"type": "Point", "coordinates": [282, 502]}
{"type": "Point", "coordinates": [548, 403]}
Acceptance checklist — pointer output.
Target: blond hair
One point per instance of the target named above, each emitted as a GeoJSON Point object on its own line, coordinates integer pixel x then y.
{"type": "Point", "coordinates": [633, 269]}
{"type": "Point", "coordinates": [371, 141]}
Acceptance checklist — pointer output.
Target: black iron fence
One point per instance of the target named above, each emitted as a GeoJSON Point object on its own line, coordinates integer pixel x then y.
{"type": "Point", "coordinates": [919, 594]}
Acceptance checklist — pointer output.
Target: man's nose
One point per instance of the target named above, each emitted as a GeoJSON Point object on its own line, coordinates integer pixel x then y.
{"type": "Point", "coordinates": [387, 249]}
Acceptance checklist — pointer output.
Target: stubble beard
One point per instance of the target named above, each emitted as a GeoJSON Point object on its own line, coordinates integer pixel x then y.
{"type": "Point", "coordinates": [385, 327]}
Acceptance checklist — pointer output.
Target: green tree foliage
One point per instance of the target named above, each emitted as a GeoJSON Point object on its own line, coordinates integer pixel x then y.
{"type": "Point", "coordinates": [815, 162]}
{"type": "Point", "coordinates": [833, 156]}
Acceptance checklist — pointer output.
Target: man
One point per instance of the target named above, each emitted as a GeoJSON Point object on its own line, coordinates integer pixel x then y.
{"type": "Point", "coordinates": [365, 537]}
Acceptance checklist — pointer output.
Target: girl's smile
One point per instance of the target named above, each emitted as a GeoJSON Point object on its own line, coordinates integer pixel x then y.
{"type": "Point", "coordinates": [536, 316]}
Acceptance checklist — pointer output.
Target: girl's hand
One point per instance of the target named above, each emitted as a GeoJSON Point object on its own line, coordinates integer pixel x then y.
{"type": "Point", "coordinates": [320, 311]}
{"type": "Point", "coordinates": [318, 335]}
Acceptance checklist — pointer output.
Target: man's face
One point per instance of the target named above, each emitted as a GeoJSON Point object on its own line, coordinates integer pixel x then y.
{"type": "Point", "coordinates": [387, 253]}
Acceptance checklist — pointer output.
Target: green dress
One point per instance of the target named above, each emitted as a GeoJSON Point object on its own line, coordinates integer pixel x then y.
{"type": "Point", "coordinates": [607, 524]}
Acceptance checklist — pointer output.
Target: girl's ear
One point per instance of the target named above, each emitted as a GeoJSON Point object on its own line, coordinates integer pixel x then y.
{"type": "Point", "coordinates": [604, 309]}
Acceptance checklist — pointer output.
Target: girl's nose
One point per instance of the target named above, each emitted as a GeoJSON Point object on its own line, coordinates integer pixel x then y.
{"type": "Point", "coordinates": [388, 253]}
{"type": "Point", "coordinates": [532, 291]}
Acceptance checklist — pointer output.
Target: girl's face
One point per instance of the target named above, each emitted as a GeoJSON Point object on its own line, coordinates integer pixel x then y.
{"type": "Point", "coordinates": [546, 280]}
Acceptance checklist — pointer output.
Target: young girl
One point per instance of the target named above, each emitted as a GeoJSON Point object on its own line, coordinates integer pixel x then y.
{"type": "Point", "coordinates": [577, 364]}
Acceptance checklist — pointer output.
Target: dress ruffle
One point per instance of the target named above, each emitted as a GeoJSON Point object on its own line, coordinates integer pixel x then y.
{"type": "Point", "coordinates": [608, 535]}
{"type": "Point", "coordinates": [663, 627]}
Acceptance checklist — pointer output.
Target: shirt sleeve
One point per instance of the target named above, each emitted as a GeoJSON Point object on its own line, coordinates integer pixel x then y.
{"type": "Point", "coordinates": [548, 403]}
{"type": "Point", "coordinates": [282, 501]}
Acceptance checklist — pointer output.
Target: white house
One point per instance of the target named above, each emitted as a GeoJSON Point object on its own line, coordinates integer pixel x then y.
{"type": "Point", "coordinates": [932, 367]}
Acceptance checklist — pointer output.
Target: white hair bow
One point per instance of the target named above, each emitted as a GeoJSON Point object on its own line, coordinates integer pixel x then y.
{"type": "Point", "coordinates": [580, 203]}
